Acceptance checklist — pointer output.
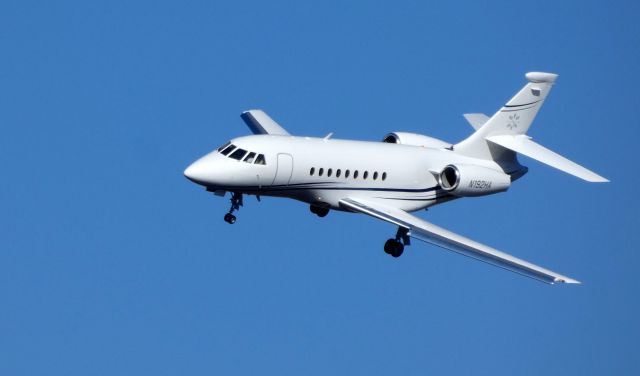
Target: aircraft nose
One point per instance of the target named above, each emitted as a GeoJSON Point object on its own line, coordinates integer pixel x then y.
{"type": "Point", "coordinates": [197, 171]}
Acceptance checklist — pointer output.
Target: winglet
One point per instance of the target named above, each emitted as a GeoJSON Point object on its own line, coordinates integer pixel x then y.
{"type": "Point", "coordinates": [260, 123]}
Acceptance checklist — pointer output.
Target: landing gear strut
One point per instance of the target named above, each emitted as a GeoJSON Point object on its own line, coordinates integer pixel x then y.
{"type": "Point", "coordinates": [236, 203]}
{"type": "Point", "coordinates": [395, 247]}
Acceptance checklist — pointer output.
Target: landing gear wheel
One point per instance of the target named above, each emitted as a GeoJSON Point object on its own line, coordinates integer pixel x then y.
{"type": "Point", "coordinates": [230, 218]}
{"type": "Point", "coordinates": [393, 247]}
{"type": "Point", "coordinates": [389, 246]}
{"type": "Point", "coordinates": [398, 251]}
{"type": "Point", "coordinates": [320, 212]}
{"type": "Point", "coordinates": [236, 203]}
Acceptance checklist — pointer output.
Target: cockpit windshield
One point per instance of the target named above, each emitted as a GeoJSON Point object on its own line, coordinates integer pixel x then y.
{"type": "Point", "coordinates": [231, 151]}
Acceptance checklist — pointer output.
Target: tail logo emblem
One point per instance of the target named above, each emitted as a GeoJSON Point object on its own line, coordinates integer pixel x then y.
{"type": "Point", "coordinates": [513, 121]}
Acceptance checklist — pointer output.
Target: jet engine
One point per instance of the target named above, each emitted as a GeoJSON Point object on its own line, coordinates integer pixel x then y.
{"type": "Point", "coordinates": [470, 180]}
{"type": "Point", "coordinates": [414, 139]}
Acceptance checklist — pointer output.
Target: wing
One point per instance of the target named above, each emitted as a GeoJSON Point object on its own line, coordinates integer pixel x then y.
{"type": "Point", "coordinates": [260, 123]}
{"type": "Point", "coordinates": [430, 233]}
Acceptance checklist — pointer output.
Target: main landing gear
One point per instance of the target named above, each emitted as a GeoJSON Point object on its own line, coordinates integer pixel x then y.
{"type": "Point", "coordinates": [236, 203]}
{"type": "Point", "coordinates": [395, 247]}
{"type": "Point", "coordinates": [319, 211]}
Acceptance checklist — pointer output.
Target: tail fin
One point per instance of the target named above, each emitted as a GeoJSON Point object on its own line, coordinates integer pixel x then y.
{"type": "Point", "coordinates": [504, 133]}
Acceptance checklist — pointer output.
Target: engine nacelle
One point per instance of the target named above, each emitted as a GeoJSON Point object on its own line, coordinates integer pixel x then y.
{"type": "Point", "coordinates": [414, 139]}
{"type": "Point", "coordinates": [469, 180]}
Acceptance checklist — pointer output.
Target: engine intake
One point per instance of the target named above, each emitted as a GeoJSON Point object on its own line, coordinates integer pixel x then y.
{"type": "Point", "coordinates": [469, 180]}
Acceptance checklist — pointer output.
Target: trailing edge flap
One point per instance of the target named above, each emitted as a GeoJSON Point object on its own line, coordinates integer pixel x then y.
{"type": "Point", "coordinates": [524, 145]}
{"type": "Point", "coordinates": [430, 233]}
{"type": "Point", "coordinates": [260, 123]}
{"type": "Point", "coordinates": [476, 120]}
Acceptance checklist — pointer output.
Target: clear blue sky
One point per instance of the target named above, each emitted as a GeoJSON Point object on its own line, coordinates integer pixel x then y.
{"type": "Point", "coordinates": [112, 263]}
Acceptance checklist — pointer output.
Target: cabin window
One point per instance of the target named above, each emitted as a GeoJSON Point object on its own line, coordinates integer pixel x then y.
{"type": "Point", "coordinates": [260, 160]}
{"type": "Point", "coordinates": [238, 154]}
{"type": "Point", "coordinates": [375, 175]}
{"type": "Point", "coordinates": [355, 174]}
{"type": "Point", "coordinates": [338, 173]}
{"type": "Point", "coordinates": [346, 174]}
{"type": "Point", "coordinates": [320, 171]}
{"type": "Point", "coordinates": [365, 175]}
{"type": "Point", "coordinates": [384, 176]}
{"type": "Point", "coordinates": [228, 150]}
{"type": "Point", "coordinates": [221, 148]}
{"type": "Point", "coordinates": [329, 171]}
{"type": "Point", "coordinates": [250, 157]}
{"type": "Point", "coordinates": [312, 171]}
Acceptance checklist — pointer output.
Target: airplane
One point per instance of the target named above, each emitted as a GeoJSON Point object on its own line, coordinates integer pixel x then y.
{"type": "Point", "coordinates": [387, 180]}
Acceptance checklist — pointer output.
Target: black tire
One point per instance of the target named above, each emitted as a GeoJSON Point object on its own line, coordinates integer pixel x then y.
{"type": "Point", "coordinates": [398, 249]}
{"type": "Point", "coordinates": [232, 219]}
{"type": "Point", "coordinates": [322, 212]}
{"type": "Point", "coordinates": [390, 246]}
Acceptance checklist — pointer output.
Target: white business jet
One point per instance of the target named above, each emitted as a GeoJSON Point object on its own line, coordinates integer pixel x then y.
{"type": "Point", "coordinates": [389, 179]}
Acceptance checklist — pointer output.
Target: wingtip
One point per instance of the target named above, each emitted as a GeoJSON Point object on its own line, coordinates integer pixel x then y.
{"type": "Point", "coordinates": [567, 281]}
{"type": "Point", "coordinates": [597, 179]}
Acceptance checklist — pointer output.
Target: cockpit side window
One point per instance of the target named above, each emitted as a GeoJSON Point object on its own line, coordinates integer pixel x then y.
{"type": "Point", "coordinates": [238, 154]}
{"type": "Point", "coordinates": [250, 157]}
{"type": "Point", "coordinates": [221, 148]}
{"type": "Point", "coordinates": [228, 150]}
{"type": "Point", "coordinates": [260, 160]}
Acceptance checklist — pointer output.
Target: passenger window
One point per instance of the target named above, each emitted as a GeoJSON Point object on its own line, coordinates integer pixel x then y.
{"type": "Point", "coordinates": [375, 175]}
{"type": "Point", "coordinates": [338, 173]}
{"type": "Point", "coordinates": [221, 148]}
{"type": "Point", "coordinates": [238, 154]}
{"type": "Point", "coordinates": [366, 173]}
{"type": "Point", "coordinates": [355, 174]}
{"type": "Point", "coordinates": [228, 150]}
{"type": "Point", "coordinates": [312, 171]}
{"type": "Point", "coordinates": [250, 157]}
{"type": "Point", "coordinates": [346, 174]}
{"type": "Point", "coordinates": [260, 160]}
{"type": "Point", "coordinates": [384, 176]}
{"type": "Point", "coordinates": [321, 171]}
{"type": "Point", "coordinates": [329, 171]}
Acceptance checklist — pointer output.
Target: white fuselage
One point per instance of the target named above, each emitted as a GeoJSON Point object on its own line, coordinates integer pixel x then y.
{"type": "Point", "coordinates": [323, 171]}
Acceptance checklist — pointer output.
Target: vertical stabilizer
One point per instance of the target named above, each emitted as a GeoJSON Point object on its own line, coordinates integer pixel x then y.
{"type": "Point", "coordinates": [514, 118]}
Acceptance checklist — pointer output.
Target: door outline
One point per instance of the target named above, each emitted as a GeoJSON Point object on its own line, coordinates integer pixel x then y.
{"type": "Point", "coordinates": [284, 169]}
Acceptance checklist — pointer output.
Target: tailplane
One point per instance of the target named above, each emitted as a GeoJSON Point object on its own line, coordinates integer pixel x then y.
{"type": "Point", "coordinates": [504, 134]}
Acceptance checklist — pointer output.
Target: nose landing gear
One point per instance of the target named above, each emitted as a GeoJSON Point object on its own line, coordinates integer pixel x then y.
{"type": "Point", "coordinates": [236, 203]}
{"type": "Point", "coordinates": [230, 218]}
{"type": "Point", "coordinates": [395, 247]}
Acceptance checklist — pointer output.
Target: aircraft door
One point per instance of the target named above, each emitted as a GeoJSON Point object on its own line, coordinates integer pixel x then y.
{"type": "Point", "coordinates": [285, 169]}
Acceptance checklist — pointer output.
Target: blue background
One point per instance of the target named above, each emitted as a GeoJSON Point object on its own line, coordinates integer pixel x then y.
{"type": "Point", "coordinates": [112, 263]}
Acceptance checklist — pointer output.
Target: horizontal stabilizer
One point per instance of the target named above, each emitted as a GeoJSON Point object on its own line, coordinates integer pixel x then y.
{"type": "Point", "coordinates": [260, 123]}
{"type": "Point", "coordinates": [524, 145]}
{"type": "Point", "coordinates": [476, 120]}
